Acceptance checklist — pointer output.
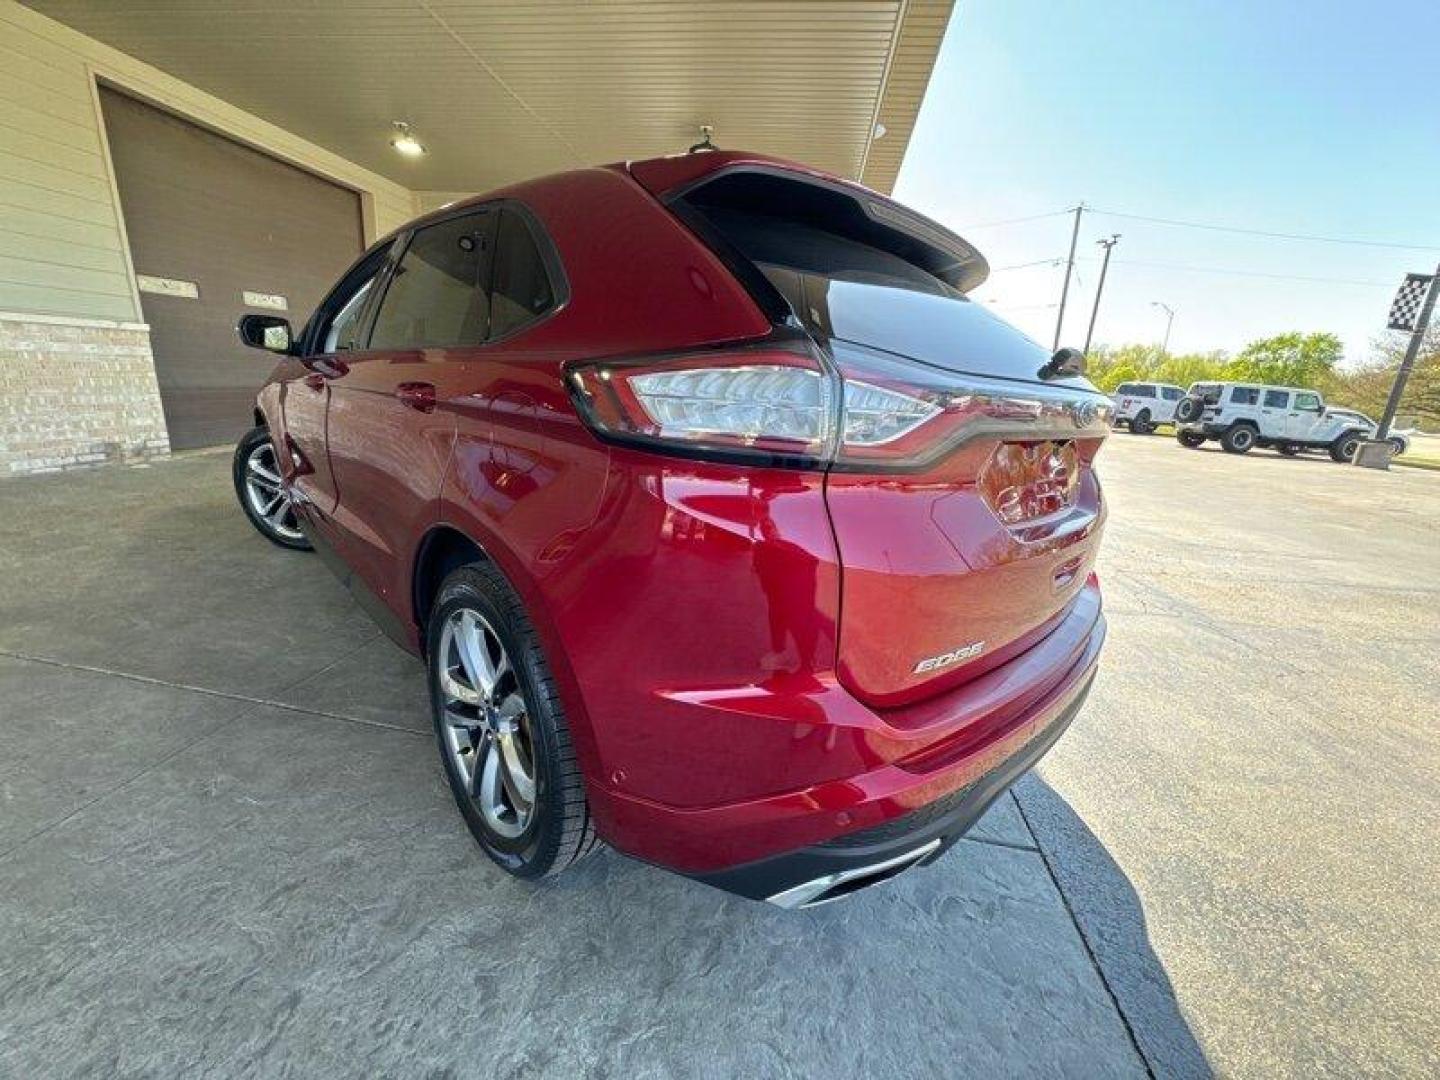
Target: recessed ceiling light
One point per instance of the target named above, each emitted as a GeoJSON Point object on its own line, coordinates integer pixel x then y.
{"type": "Point", "coordinates": [404, 140]}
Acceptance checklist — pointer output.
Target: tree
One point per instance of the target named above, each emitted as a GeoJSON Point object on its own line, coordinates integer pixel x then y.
{"type": "Point", "coordinates": [1292, 359]}
{"type": "Point", "coordinates": [1368, 387]}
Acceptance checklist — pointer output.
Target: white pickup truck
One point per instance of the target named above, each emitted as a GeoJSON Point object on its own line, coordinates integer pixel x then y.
{"type": "Point", "coordinates": [1140, 406]}
{"type": "Point", "coordinates": [1242, 416]}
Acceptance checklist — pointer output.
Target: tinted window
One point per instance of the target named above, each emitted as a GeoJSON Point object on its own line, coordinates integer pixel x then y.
{"type": "Point", "coordinates": [520, 291]}
{"type": "Point", "coordinates": [1276, 399]}
{"type": "Point", "coordinates": [342, 315]}
{"type": "Point", "coordinates": [1308, 402]}
{"type": "Point", "coordinates": [436, 296]}
{"type": "Point", "coordinates": [1144, 391]}
{"type": "Point", "coordinates": [1244, 395]}
{"type": "Point", "coordinates": [1172, 393]}
{"type": "Point", "coordinates": [1125, 388]}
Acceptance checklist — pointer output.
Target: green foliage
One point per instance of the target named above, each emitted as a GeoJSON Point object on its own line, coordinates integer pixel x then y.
{"type": "Point", "coordinates": [1294, 359]}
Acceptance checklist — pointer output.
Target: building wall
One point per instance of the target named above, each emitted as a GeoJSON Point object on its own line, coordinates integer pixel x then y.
{"type": "Point", "coordinates": [63, 250]}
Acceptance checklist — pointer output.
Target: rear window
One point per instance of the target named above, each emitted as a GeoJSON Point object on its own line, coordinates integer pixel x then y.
{"type": "Point", "coordinates": [864, 271]}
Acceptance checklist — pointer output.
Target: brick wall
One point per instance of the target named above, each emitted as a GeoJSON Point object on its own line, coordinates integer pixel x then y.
{"type": "Point", "coordinates": [76, 392]}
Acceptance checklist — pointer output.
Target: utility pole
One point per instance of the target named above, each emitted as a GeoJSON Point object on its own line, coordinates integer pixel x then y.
{"type": "Point", "coordinates": [1069, 268]}
{"type": "Point", "coordinates": [1169, 322]}
{"type": "Point", "coordinates": [1100, 288]}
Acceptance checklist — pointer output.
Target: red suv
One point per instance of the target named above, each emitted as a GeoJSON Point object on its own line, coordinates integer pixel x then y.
{"type": "Point", "coordinates": [731, 532]}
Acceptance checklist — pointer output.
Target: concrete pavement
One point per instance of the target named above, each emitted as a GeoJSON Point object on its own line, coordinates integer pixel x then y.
{"type": "Point", "coordinates": [226, 849]}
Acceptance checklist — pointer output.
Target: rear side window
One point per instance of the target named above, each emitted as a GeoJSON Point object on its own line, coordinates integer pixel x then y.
{"type": "Point", "coordinates": [436, 296]}
{"type": "Point", "coordinates": [1126, 388]}
{"type": "Point", "coordinates": [1276, 399]}
{"type": "Point", "coordinates": [520, 291]}
{"type": "Point", "coordinates": [1172, 393]}
{"type": "Point", "coordinates": [1144, 391]}
{"type": "Point", "coordinates": [1244, 395]}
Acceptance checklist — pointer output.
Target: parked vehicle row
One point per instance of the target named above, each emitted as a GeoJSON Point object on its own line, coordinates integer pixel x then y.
{"type": "Point", "coordinates": [731, 532]}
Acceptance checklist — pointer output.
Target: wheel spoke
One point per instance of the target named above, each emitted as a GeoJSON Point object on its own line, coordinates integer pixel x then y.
{"type": "Point", "coordinates": [474, 651]}
{"type": "Point", "coordinates": [261, 473]}
{"type": "Point", "coordinates": [518, 781]}
{"type": "Point", "coordinates": [456, 690]}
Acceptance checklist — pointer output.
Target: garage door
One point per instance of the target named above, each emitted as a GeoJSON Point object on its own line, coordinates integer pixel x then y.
{"type": "Point", "coordinates": [217, 229]}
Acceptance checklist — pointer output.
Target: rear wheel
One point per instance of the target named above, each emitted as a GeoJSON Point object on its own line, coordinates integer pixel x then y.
{"type": "Point", "coordinates": [1142, 425]}
{"type": "Point", "coordinates": [1345, 447]}
{"type": "Point", "coordinates": [256, 474]}
{"type": "Point", "coordinates": [501, 730]}
{"type": "Point", "coordinates": [1190, 439]}
{"type": "Point", "coordinates": [1239, 439]}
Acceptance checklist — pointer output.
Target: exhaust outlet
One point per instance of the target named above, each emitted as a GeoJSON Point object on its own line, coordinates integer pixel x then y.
{"type": "Point", "coordinates": [831, 887]}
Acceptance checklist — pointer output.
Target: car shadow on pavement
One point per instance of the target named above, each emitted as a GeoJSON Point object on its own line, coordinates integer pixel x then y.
{"type": "Point", "coordinates": [1111, 918]}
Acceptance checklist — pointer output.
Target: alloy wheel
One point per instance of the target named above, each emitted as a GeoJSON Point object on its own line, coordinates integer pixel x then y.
{"type": "Point", "coordinates": [267, 496]}
{"type": "Point", "coordinates": [486, 726]}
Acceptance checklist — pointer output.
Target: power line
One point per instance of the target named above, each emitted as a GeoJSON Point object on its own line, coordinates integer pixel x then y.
{"type": "Point", "coordinates": [1308, 237]}
{"type": "Point", "coordinates": [1026, 265]}
{"type": "Point", "coordinates": [1231, 272]}
{"type": "Point", "coordinates": [1018, 220]}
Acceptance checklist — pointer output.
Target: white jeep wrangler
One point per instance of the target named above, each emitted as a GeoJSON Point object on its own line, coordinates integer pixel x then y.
{"type": "Point", "coordinates": [1242, 416]}
{"type": "Point", "coordinates": [1140, 406]}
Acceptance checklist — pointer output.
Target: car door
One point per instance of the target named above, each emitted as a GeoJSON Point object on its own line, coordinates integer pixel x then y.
{"type": "Point", "coordinates": [1275, 414]}
{"type": "Point", "coordinates": [390, 429]}
{"type": "Point", "coordinates": [1306, 417]}
{"type": "Point", "coordinates": [331, 336]}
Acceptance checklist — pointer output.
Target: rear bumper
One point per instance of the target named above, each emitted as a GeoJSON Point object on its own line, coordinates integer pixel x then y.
{"type": "Point", "coordinates": [828, 871]}
{"type": "Point", "coordinates": [765, 847]}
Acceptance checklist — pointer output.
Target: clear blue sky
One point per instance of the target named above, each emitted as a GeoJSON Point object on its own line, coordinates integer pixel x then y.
{"type": "Point", "coordinates": [1303, 117]}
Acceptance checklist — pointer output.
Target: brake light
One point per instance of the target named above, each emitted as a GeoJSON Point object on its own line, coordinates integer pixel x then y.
{"type": "Point", "coordinates": [786, 404]}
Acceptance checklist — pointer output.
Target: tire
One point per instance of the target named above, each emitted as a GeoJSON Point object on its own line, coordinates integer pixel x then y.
{"type": "Point", "coordinates": [1141, 425]}
{"type": "Point", "coordinates": [1238, 439]}
{"type": "Point", "coordinates": [1289, 449]}
{"type": "Point", "coordinates": [1398, 446]}
{"type": "Point", "coordinates": [519, 720]}
{"type": "Point", "coordinates": [1343, 449]}
{"type": "Point", "coordinates": [1191, 440]}
{"type": "Point", "coordinates": [1189, 409]}
{"type": "Point", "coordinates": [257, 486]}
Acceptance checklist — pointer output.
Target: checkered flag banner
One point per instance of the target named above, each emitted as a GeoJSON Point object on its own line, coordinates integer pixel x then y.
{"type": "Point", "coordinates": [1408, 301]}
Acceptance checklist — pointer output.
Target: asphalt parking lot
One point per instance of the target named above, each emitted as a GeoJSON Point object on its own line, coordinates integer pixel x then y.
{"type": "Point", "coordinates": [226, 847]}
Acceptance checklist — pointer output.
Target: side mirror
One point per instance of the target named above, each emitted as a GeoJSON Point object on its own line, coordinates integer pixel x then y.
{"type": "Point", "coordinates": [270, 332]}
{"type": "Point", "coordinates": [1064, 363]}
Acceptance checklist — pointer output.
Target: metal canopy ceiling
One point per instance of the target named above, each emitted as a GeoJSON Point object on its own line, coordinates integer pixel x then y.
{"type": "Point", "coordinates": [499, 91]}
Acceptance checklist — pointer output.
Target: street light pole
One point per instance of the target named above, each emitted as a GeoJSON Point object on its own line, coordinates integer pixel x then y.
{"type": "Point", "coordinates": [1169, 322]}
{"type": "Point", "coordinates": [1100, 288]}
{"type": "Point", "coordinates": [1069, 268]}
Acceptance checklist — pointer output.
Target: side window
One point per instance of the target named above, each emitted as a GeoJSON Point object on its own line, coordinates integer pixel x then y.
{"type": "Point", "coordinates": [520, 289]}
{"type": "Point", "coordinates": [436, 297]}
{"type": "Point", "coordinates": [1276, 399]}
{"type": "Point", "coordinates": [342, 314]}
{"type": "Point", "coordinates": [1244, 395]}
{"type": "Point", "coordinates": [1307, 402]}
{"type": "Point", "coordinates": [1172, 393]}
{"type": "Point", "coordinates": [1145, 391]}
{"type": "Point", "coordinates": [1125, 388]}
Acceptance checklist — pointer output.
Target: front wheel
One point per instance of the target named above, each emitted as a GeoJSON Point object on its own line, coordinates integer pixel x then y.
{"type": "Point", "coordinates": [1344, 449]}
{"type": "Point", "coordinates": [1238, 439]}
{"type": "Point", "coordinates": [256, 474]}
{"type": "Point", "coordinates": [501, 730]}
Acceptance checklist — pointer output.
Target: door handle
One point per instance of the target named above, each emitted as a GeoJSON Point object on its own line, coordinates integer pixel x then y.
{"type": "Point", "coordinates": [419, 396]}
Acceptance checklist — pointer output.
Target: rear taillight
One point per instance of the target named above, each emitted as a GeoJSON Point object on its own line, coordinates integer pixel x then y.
{"type": "Point", "coordinates": [1025, 482]}
{"type": "Point", "coordinates": [787, 404]}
